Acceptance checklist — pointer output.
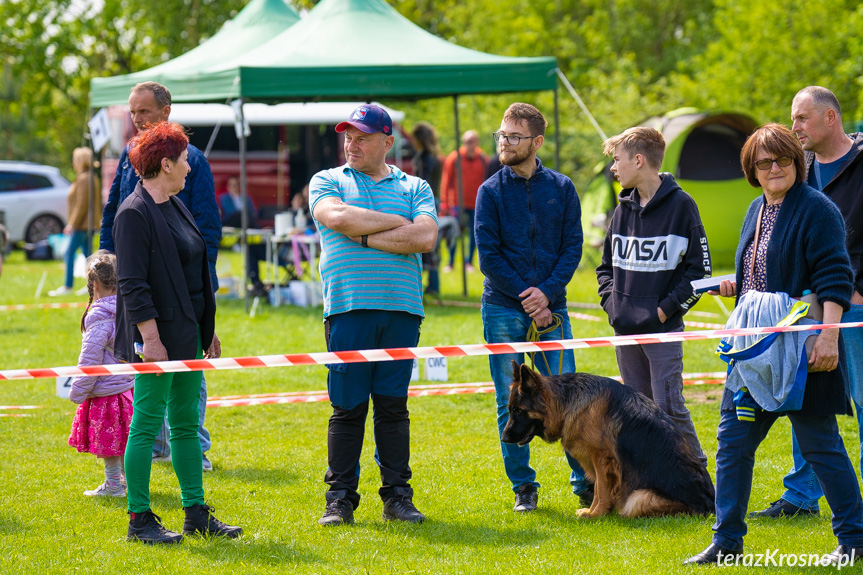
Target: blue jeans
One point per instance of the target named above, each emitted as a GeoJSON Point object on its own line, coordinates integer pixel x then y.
{"type": "Point", "coordinates": [501, 325]}
{"type": "Point", "coordinates": [162, 445]}
{"type": "Point", "coordinates": [801, 487]}
{"type": "Point", "coordinates": [821, 445]}
{"type": "Point", "coordinates": [78, 240]}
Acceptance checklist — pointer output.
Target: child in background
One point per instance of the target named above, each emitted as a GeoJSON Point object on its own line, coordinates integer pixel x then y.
{"type": "Point", "coordinates": [101, 424]}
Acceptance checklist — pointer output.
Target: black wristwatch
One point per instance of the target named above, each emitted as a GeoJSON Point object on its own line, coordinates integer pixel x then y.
{"type": "Point", "coordinates": [365, 241]}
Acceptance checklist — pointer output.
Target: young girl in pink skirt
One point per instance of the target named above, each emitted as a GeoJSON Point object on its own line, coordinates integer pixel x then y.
{"type": "Point", "coordinates": [101, 424]}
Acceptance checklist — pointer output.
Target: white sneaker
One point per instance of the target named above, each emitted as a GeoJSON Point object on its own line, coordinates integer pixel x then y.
{"type": "Point", "coordinates": [60, 291]}
{"type": "Point", "coordinates": [162, 458]}
{"type": "Point", "coordinates": [82, 291]}
{"type": "Point", "coordinates": [107, 490]}
{"type": "Point", "coordinates": [206, 465]}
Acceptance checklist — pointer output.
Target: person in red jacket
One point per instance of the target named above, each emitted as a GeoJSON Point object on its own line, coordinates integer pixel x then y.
{"type": "Point", "coordinates": [473, 163]}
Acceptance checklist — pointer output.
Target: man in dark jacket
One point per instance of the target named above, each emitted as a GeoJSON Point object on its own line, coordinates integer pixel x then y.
{"type": "Point", "coordinates": [654, 247]}
{"type": "Point", "coordinates": [528, 233]}
{"type": "Point", "coordinates": [834, 162]}
{"type": "Point", "coordinates": [150, 103]}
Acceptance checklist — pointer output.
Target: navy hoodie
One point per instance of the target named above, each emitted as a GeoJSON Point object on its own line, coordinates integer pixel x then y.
{"type": "Point", "coordinates": [650, 255]}
{"type": "Point", "coordinates": [528, 234]}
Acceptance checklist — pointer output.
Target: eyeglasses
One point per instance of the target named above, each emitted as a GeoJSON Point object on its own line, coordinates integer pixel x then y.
{"type": "Point", "coordinates": [511, 140]}
{"type": "Point", "coordinates": [782, 162]}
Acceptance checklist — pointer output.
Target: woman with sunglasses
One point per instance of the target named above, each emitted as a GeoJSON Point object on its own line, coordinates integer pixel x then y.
{"type": "Point", "coordinates": [793, 239]}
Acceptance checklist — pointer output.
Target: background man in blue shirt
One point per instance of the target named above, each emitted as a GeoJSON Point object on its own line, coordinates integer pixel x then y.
{"type": "Point", "coordinates": [150, 103]}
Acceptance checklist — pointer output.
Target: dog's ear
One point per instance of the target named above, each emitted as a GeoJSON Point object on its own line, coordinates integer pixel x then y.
{"type": "Point", "coordinates": [516, 371]}
{"type": "Point", "coordinates": [529, 379]}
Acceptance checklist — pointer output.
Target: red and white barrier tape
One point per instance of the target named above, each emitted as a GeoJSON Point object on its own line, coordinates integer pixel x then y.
{"type": "Point", "coordinates": [584, 316]}
{"type": "Point", "coordinates": [395, 354]}
{"type": "Point", "coordinates": [702, 324]}
{"type": "Point", "coordinates": [717, 377]}
{"type": "Point", "coordinates": [61, 305]}
{"type": "Point", "coordinates": [19, 407]}
{"type": "Point", "coordinates": [317, 396]}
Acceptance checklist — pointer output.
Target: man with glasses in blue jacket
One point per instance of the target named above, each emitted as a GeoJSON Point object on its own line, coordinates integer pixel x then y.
{"type": "Point", "coordinates": [528, 234]}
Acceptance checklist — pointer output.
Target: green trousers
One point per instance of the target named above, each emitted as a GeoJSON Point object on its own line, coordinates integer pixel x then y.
{"type": "Point", "coordinates": [180, 392]}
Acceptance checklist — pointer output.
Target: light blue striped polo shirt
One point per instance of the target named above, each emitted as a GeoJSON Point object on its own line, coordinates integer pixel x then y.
{"type": "Point", "coordinates": [355, 277]}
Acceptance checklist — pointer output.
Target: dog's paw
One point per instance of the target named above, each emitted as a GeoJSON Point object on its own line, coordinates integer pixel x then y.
{"type": "Point", "coordinates": [584, 514]}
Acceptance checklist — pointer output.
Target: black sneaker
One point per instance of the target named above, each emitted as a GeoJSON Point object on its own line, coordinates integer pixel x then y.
{"type": "Point", "coordinates": [782, 508]}
{"type": "Point", "coordinates": [402, 509]}
{"type": "Point", "coordinates": [200, 521]}
{"type": "Point", "coordinates": [526, 498]}
{"type": "Point", "coordinates": [147, 528]}
{"type": "Point", "coordinates": [585, 498]}
{"type": "Point", "coordinates": [338, 512]}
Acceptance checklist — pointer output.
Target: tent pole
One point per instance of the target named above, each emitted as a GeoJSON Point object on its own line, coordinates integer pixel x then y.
{"type": "Point", "coordinates": [91, 209]}
{"type": "Point", "coordinates": [556, 131]}
{"type": "Point", "coordinates": [244, 221]}
{"type": "Point", "coordinates": [461, 218]}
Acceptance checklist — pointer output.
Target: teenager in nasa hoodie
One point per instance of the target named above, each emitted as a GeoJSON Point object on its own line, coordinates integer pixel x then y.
{"type": "Point", "coordinates": [655, 246]}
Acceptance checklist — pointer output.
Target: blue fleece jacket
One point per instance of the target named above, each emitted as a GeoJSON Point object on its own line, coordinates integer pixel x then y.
{"type": "Point", "coordinates": [198, 195]}
{"type": "Point", "coordinates": [528, 234]}
{"type": "Point", "coordinates": [806, 251]}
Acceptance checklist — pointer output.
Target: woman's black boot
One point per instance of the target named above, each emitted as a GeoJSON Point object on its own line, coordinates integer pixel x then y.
{"type": "Point", "coordinates": [200, 521]}
{"type": "Point", "coordinates": [147, 527]}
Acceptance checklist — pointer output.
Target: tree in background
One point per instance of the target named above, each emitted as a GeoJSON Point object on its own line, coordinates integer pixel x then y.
{"type": "Point", "coordinates": [765, 52]}
{"type": "Point", "coordinates": [54, 47]}
{"type": "Point", "coordinates": [629, 59]}
{"type": "Point", "coordinates": [19, 136]}
{"type": "Point", "coordinates": [618, 55]}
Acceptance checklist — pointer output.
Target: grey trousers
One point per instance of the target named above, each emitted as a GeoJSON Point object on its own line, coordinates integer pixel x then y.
{"type": "Point", "coordinates": [656, 370]}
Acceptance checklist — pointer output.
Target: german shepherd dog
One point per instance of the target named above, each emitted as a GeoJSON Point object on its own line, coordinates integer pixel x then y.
{"type": "Point", "coordinates": [639, 462]}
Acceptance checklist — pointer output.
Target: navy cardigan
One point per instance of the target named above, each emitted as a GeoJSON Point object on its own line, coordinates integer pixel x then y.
{"type": "Point", "coordinates": [806, 251]}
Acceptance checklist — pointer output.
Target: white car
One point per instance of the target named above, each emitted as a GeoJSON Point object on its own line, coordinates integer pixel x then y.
{"type": "Point", "coordinates": [34, 200]}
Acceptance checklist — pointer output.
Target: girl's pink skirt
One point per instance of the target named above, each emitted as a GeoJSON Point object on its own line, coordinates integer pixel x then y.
{"type": "Point", "coordinates": [101, 425]}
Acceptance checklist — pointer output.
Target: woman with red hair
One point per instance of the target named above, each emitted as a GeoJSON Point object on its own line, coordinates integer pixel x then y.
{"type": "Point", "coordinates": [165, 311]}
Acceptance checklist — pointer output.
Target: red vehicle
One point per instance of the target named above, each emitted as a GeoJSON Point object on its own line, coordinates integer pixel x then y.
{"type": "Point", "coordinates": [287, 145]}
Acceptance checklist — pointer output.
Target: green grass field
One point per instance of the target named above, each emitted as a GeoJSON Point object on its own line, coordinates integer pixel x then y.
{"type": "Point", "coordinates": [270, 462]}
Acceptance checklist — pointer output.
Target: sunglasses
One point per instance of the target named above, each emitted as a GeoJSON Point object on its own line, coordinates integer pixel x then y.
{"type": "Point", "coordinates": [782, 162]}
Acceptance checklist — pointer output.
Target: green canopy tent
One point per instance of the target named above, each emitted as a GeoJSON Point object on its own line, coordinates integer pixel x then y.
{"type": "Point", "coordinates": [259, 21]}
{"type": "Point", "coordinates": [348, 49]}
{"type": "Point", "coordinates": [703, 152]}
{"type": "Point", "coordinates": [342, 50]}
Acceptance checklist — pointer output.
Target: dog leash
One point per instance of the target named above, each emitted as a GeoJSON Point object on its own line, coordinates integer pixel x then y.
{"type": "Point", "coordinates": [534, 334]}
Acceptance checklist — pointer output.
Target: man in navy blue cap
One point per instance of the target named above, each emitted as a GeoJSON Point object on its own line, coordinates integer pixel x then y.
{"type": "Point", "coordinates": [374, 222]}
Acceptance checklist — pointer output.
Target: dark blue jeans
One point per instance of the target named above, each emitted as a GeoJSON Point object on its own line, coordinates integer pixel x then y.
{"type": "Point", "coordinates": [801, 487]}
{"type": "Point", "coordinates": [822, 447]}
{"type": "Point", "coordinates": [502, 325]}
{"type": "Point", "coordinates": [351, 385]}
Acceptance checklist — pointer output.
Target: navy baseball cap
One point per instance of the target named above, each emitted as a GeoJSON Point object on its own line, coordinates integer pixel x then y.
{"type": "Point", "coordinates": [370, 119]}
